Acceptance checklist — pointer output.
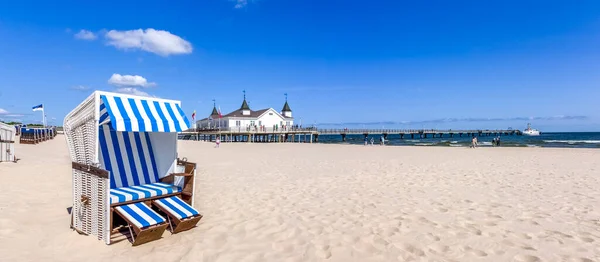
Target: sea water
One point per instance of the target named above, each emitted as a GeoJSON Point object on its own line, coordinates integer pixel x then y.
{"type": "Point", "coordinates": [568, 140]}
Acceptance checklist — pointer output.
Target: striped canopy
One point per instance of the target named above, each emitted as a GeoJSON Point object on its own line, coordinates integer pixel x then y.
{"type": "Point", "coordinates": [142, 114]}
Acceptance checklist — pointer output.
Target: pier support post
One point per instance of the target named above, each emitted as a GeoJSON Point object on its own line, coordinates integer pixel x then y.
{"type": "Point", "coordinates": [316, 138]}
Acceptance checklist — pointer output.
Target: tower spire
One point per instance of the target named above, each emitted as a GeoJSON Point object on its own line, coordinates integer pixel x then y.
{"type": "Point", "coordinates": [214, 111]}
{"type": "Point", "coordinates": [286, 111]}
{"type": "Point", "coordinates": [245, 104]}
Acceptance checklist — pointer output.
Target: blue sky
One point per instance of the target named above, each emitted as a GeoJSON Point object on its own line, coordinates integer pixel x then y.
{"type": "Point", "coordinates": [411, 64]}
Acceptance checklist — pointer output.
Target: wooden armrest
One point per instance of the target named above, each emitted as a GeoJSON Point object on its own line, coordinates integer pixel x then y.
{"type": "Point", "coordinates": [181, 174]}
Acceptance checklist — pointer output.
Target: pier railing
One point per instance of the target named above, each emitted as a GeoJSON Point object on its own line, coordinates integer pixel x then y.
{"type": "Point", "coordinates": [411, 131]}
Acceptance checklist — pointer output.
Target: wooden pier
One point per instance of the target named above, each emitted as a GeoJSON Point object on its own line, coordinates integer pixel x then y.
{"type": "Point", "coordinates": [417, 133]}
{"type": "Point", "coordinates": [266, 135]}
{"type": "Point", "coordinates": [309, 135]}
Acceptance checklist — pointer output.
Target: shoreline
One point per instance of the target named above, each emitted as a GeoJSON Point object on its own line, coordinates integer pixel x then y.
{"type": "Point", "coordinates": [462, 145]}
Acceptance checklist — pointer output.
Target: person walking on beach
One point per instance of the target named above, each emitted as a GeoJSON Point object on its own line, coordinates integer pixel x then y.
{"type": "Point", "coordinates": [372, 141]}
{"type": "Point", "coordinates": [498, 141]}
{"type": "Point", "coordinates": [382, 140]}
{"type": "Point", "coordinates": [474, 142]}
{"type": "Point", "coordinates": [366, 143]}
{"type": "Point", "coordinates": [217, 142]}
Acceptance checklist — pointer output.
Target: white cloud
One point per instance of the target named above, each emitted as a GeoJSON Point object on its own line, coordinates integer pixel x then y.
{"type": "Point", "coordinates": [81, 88]}
{"type": "Point", "coordinates": [5, 113]}
{"type": "Point", "coordinates": [159, 42]}
{"type": "Point", "coordinates": [129, 80]}
{"type": "Point", "coordinates": [86, 35]}
{"type": "Point", "coordinates": [240, 4]}
{"type": "Point", "coordinates": [132, 91]}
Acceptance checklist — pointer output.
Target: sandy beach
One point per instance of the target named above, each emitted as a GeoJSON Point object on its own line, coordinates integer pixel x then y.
{"type": "Point", "coordinates": [315, 202]}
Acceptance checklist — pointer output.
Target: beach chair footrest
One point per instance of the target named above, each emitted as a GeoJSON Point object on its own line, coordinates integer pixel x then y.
{"type": "Point", "coordinates": [147, 225]}
{"type": "Point", "coordinates": [181, 215]}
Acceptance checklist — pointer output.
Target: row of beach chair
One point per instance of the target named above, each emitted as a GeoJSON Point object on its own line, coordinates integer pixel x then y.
{"type": "Point", "coordinates": [36, 135]}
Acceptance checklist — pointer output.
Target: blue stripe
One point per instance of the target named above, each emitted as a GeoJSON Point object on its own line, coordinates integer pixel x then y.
{"type": "Point", "coordinates": [119, 157]}
{"type": "Point", "coordinates": [146, 193]}
{"type": "Point", "coordinates": [122, 198]}
{"type": "Point", "coordinates": [185, 205]}
{"type": "Point", "coordinates": [182, 114]}
{"type": "Point", "coordinates": [170, 189]}
{"type": "Point", "coordinates": [150, 115]}
{"type": "Point", "coordinates": [126, 118]}
{"type": "Point", "coordinates": [141, 157]}
{"type": "Point", "coordinates": [134, 196]}
{"type": "Point", "coordinates": [154, 168]}
{"type": "Point", "coordinates": [173, 118]}
{"type": "Point", "coordinates": [161, 114]}
{"type": "Point", "coordinates": [135, 215]}
{"type": "Point", "coordinates": [138, 116]}
{"type": "Point", "coordinates": [136, 179]}
{"type": "Point", "coordinates": [110, 112]}
{"type": "Point", "coordinates": [158, 192]}
{"type": "Point", "coordinates": [103, 117]}
{"type": "Point", "coordinates": [102, 106]}
{"type": "Point", "coordinates": [172, 207]}
{"type": "Point", "coordinates": [106, 157]}
{"type": "Point", "coordinates": [150, 213]}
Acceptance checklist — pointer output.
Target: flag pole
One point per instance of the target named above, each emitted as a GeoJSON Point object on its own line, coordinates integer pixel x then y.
{"type": "Point", "coordinates": [43, 116]}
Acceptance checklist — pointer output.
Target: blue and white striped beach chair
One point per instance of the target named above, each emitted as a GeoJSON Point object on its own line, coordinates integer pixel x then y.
{"type": "Point", "coordinates": [180, 215]}
{"type": "Point", "coordinates": [130, 158]}
{"type": "Point", "coordinates": [124, 152]}
{"type": "Point", "coordinates": [147, 224]}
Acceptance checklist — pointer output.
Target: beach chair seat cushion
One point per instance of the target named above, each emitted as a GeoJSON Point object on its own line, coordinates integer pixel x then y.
{"type": "Point", "coordinates": [132, 193]}
{"type": "Point", "coordinates": [176, 207]}
{"type": "Point", "coordinates": [140, 215]}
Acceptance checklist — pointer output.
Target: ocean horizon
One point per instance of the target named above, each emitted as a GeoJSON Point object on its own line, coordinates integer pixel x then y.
{"type": "Point", "coordinates": [546, 139]}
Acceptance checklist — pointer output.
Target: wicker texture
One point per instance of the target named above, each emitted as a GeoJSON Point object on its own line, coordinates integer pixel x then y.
{"type": "Point", "coordinates": [81, 132]}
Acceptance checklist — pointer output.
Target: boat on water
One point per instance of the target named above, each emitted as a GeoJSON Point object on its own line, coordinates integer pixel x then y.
{"type": "Point", "coordinates": [530, 131]}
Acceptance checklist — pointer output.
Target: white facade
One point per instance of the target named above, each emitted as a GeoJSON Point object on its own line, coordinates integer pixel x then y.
{"type": "Point", "coordinates": [269, 119]}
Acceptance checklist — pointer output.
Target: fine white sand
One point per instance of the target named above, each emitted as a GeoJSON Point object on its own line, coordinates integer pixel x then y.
{"type": "Point", "coordinates": [309, 202]}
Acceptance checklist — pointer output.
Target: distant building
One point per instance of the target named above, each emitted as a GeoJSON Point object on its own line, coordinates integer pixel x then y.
{"type": "Point", "coordinates": [245, 118]}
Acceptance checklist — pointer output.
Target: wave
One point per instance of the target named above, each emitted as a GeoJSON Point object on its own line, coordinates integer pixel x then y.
{"type": "Point", "coordinates": [574, 141]}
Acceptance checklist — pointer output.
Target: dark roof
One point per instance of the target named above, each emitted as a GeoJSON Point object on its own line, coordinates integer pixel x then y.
{"type": "Point", "coordinates": [238, 113]}
{"type": "Point", "coordinates": [286, 108]}
{"type": "Point", "coordinates": [214, 112]}
{"type": "Point", "coordinates": [253, 114]}
{"type": "Point", "coordinates": [245, 105]}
